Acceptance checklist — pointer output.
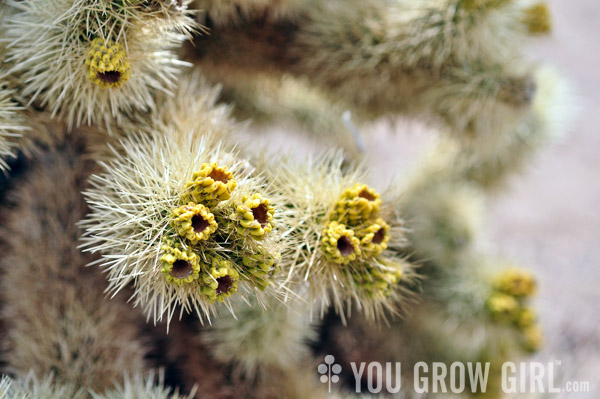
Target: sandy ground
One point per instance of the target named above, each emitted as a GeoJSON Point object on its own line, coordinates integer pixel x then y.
{"type": "Point", "coordinates": [547, 219]}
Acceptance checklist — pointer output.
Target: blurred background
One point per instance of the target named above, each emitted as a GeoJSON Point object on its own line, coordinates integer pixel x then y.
{"type": "Point", "coordinates": [548, 218]}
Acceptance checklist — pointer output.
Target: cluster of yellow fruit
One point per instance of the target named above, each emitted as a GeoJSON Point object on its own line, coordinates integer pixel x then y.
{"type": "Point", "coordinates": [507, 305]}
{"type": "Point", "coordinates": [211, 264]}
{"type": "Point", "coordinates": [354, 234]}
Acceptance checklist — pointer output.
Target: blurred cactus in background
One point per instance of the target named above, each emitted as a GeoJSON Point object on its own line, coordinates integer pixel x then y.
{"type": "Point", "coordinates": [146, 230]}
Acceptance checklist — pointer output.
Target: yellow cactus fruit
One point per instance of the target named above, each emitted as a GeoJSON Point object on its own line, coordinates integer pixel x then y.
{"type": "Point", "coordinates": [377, 283]}
{"type": "Point", "coordinates": [339, 243]}
{"type": "Point", "coordinates": [107, 64]}
{"type": "Point", "coordinates": [516, 282]}
{"type": "Point", "coordinates": [221, 281]}
{"type": "Point", "coordinates": [374, 238]}
{"type": "Point", "coordinates": [503, 307]}
{"type": "Point", "coordinates": [179, 266]}
{"type": "Point", "coordinates": [195, 222]}
{"type": "Point", "coordinates": [255, 216]}
{"type": "Point", "coordinates": [356, 204]}
{"type": "Point", "coordinates": [210, 185]}
{"type": "Point", "coordinates": [534, 338]}
{"type": "Point", "coordinates": [538, 19]}
{"type": "Point", "coordinates": [259, 266]}
{"type": "Point", "coordinates": [526, 318]}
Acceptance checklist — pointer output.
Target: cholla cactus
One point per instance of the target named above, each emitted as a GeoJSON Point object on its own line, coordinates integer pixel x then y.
{"type": "Point", "coordinates": [533, 337]}
{"type": "Point", "coordinates": [256, 339]}
{"type": "Point", "coordinates": [438, 33]}
{"type": "Point", "coordinates": [331, 211]}
{"type": "Point", "coordinates": [185, 214]}
{"type": "Point", "coordinates": [488, 163]}
{"type": "Point", "coordinates": [192, 105]}
{"type": "Point", "coordinates": [142, 386]}
{"type": "Point", "coordinates": [163, 213]}
{"type": "Point", "coordinates": [97, 60]}
{"type": "Point", "coordinates": [168, 14]}
{"type": "Point", "coordinates": [5, 384]}
{"type": "Point", "coordinates": [293, 103]}
{"type": "Point", "coordinates": [453, 61]}
{"type": "Point", "coordinates": [446, 213]}
{"type": "Point", "coordinates": [508, 304]}
{"type": "Point", "coordinates": [446, 219]}
{"type": "Point", "coordinates": [498, 305]}
{"type": "Point", "coordinates": [462, 318]}
{"type": "Point", "coordinates": [444, 201]}
{"type": "Point", "coordinates": [55, 317]}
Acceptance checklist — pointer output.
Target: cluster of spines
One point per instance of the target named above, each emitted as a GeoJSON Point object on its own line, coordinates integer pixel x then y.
{"type": "Point", "coordinates": [255, 339]}
{"type": "Point", "coordinates": [30, 387]}
{"type": "Point", "coordinates": [135, 386]}
{"type": "Point", "coordinates": [78, 335]}
{"type": "Point", "coordinates": [452, 61]}
{"type": "Point", "coordinates": [507, 304]}
{"type": "Point", "coordinates": [11, 124]}
{"type": "Point", "coordinates": [97, 58]}
{"type": "Point", "coordinates": [193, 224]}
